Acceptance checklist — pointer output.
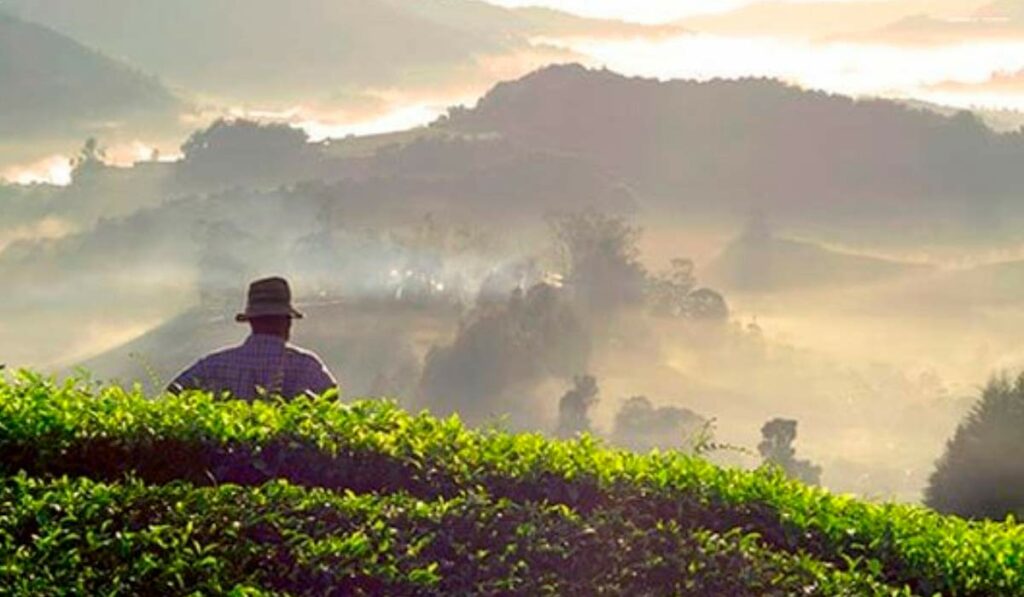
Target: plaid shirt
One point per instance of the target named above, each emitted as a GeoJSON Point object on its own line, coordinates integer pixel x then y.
{"type": "Point", "coordinates": [261, 364]}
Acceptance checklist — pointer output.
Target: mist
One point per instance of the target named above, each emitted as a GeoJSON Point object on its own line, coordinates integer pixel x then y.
{"type": "Point", "coordinates": [666, 233]}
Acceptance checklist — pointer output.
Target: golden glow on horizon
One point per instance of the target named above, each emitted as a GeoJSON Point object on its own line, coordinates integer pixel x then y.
{"type": "Point", "coordinates": [55, 169]}
{"type": "Point", "coordinates": [843, 67]}
{"type": "Point", "coordinates": [640, 11]}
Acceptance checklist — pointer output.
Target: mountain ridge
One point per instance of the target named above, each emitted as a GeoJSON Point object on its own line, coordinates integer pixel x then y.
{"type": "Point", "coordinates": [51, 81]}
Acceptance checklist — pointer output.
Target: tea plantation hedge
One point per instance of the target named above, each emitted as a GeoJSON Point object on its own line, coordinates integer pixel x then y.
{"type": "Point", "coordinates": [104, 490]}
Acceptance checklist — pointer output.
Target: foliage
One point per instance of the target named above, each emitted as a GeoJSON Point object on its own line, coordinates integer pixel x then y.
{"type": "Point", "coordinates": [501, 347]}
{"type": "Point", "coordinates": [777, 449]}
{"type": "Point", "coordinates": [674, 294]}
{"type": "Point", "coordinates": [981, 475]}
{"type": "Point", "coordinates": [632, 504]}
{"type": "Point", "coordinates": [233, 150]}
{"type": "Point", "coordinates": [642, 426]}
{"type": "Point", "coordinates": [91, 157]}
{"type": "Point", "coordinates": [602, 260]}
{"type": "Point", "coordinates": [574, 407]}
{"type": "Point", "coordinates": [282, 538]}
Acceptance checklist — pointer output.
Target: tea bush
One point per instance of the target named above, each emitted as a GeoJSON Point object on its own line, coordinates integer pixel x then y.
{"type": "Point", "coordinates": [131, 538]}
{"type": "Point", "coordinates": [649, 516]}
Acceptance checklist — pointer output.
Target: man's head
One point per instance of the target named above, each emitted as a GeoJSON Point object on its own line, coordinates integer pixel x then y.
{"type": "Point", "coordinates": [269, 308]}
{"type": "Point", "coordinates": [272, 325]}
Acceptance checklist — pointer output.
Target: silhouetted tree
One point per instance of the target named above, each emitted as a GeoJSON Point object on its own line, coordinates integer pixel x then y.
{"type": "Point", "coordinates": [601, 259]}
{"type": "Point", "coordinates": [533, 336]}
{"type": "Point", "coordinates": [706, 305]}
{"type": "Point", "coordinates": [574, 407]}
{"type": "Point", "coordinates": [641, 426]}
{"type": "Point", "coordinates": [90, 158]}
{"type": "Point", "coordinates": [777, 449]}
{"type": "Point", "coordinates": [981, 474]}
{"type": "Point", "coordinates": [672, 294]}
{"type": "Point", "coordinates": [243, 150]}
{"type": "Point", "coordinates": [668, 291]}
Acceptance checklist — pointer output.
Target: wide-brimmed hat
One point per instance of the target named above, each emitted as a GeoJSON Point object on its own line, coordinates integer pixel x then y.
{"type": "Point", "coordinates": [269, 297]}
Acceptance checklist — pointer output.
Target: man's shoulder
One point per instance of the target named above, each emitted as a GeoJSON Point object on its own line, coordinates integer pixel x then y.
{"type": "Point", "coordinates": [304, 355]}
{"type": "Point", "coordinates": [313, 368]}
{"type": "Point", "coordinates": [222, 354]}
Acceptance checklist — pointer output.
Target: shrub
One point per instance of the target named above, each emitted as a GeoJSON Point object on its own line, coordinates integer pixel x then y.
{"type": "Point", "coordinates": [981, 475]}
{"type": "Point", "coordinates": [92, 538]}
{"type": "Point", "coordinates": [110, 434]}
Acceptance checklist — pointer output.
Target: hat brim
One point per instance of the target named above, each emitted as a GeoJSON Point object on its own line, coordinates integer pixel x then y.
{"type": "Point", "coordinates": [277, 312]}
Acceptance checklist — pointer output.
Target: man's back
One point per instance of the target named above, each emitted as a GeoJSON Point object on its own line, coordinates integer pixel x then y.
{"type": "Point", "coordinates": [262, 364]}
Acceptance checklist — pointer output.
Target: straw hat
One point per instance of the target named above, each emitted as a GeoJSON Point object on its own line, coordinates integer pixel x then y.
{"type": "Point", "coordinates": [268, 298]}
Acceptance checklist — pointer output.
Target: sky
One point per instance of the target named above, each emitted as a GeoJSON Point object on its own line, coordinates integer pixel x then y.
{"type": "Point", "coordinates": [907, 49]}
{"type": "Point", "coordinates": [648, 11]}
{"type": "Point", "coordinates": [851, 47]}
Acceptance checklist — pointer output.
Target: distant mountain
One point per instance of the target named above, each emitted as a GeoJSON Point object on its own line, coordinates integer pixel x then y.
{"type": "Point", "coordinates": [267, 49]}
{"type": "Point", "coordinates": [760, 262]}
{"type": "Point", "coordinates": [50, 83]}
{"type": "Point", "coordinates": [1003, 19]}
{"type": "Point", "coordinates": [1003, 120]}
{"type": "Point", "coordinates": [527, 21]}
{"type": "Point", "coordinates": [736, 145]}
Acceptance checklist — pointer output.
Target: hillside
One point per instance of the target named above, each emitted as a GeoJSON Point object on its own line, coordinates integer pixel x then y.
{"type": "Point", "coordinates": [763, 263]}
{"type": "Point", "coordinates": [52, 84]}
{"type": "Point", "coordinates": [316, 496]}
{"type": "Point", "coordinates": [999, 20]}
{"type": "Point", "coordinates": [732, 146]}
{"type": "Point", "coordinates": [310, 50]}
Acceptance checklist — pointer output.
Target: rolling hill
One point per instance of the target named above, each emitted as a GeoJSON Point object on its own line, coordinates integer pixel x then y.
{"type": "Point", "coordinates": [1002, 19]}
{"type": "Point", "coordinates": [763, 263]}
{"type": "Point", "coordinates": [305, 50]}
{"type": "Point", "coordinates": [731, 146]}
{"type": "Point", "coordinates": [52, 84]}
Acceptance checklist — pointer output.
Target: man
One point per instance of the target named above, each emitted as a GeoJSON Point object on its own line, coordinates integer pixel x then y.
{"type": "Point", "coordinates": [265, 364]}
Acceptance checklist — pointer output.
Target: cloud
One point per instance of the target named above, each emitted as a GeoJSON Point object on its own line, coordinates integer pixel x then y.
{"type": "Point", "coordinates": [1000, 82]}
{"type": "Point", "coordinates": [817, 19]}
{"type": "Point", "coordinates": [642, 11]}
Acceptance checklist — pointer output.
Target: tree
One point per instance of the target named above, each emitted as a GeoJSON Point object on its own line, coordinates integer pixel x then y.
{"type": "Point", "coordinates": [574, 407]}
{"type": "Point", "coordinates": [777, 449]}
{"type": "Point", "coordinates": [706, 305]}
{"type": "Point", "coordinates": [91, 158]}
{"type": "Point", "coordinates": [501, 351]}
{"type": "Point", "coordinates": [668, 291]}
{"type": "Point", "coordinates": [641, 426]}
{"type": "Point", "coordinates": [672, 294]}
{"type": "Point", "coordinates": [981, 474]}
{"type": "Point", "coordinates": [601, 258]}
{"type": "Point", "coordinates": [233, 150]}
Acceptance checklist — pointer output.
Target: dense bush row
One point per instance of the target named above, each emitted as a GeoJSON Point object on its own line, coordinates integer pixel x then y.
{"type": "Point", "coordinates": [128, 538]}
{"type": "Point", "coordinates": [51, 430]}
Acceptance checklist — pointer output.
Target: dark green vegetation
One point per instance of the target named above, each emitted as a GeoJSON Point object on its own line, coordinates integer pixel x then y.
{"type": "Point", "coordinates": [981, 474]}
{"type": "Point", "coordinates": [282, 538]}
{"type": "Point", "coordinates": [315, 494]}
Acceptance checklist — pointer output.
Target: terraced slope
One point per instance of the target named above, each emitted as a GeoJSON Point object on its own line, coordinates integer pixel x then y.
{"type": "Point", "coordinates": [108, 490]}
